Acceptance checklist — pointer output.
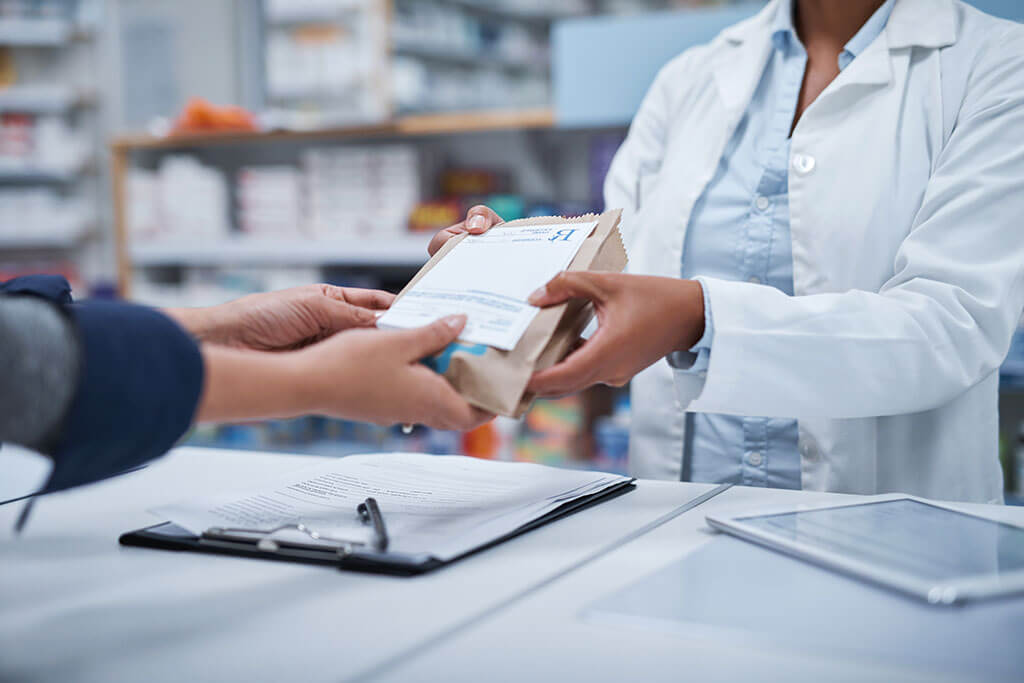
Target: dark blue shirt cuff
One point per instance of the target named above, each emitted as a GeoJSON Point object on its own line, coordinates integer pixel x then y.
{"type": "Point", "coordinates": [52, 287]}
{"type": "Point", "coordinates": [139, 384]}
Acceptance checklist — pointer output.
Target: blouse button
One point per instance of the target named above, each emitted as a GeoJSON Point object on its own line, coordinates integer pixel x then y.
{"type": "Point", "coordinates": [803, 163]}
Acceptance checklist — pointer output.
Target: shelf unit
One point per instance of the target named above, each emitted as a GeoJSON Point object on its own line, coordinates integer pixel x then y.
{"type": "Point", "coordinates": [39, 175]}
{"type": "Point", "coordinates": [52, 53]}
{"type": "Point", "coordinates": [45, 99]}
{"type": "Point", "coordinates": [406, 251]}
{"type": "Point", "coordinates": [290, 15]}
{"type": "Point", "coordinates": [434, 53]}
{"type": "Point", "coordinates": [505, 10]}
{"type": "Point", "coordinates": [58, 240]}
{"type": "Point", "coordinates": [377, 39]}
{"type": "Point", "coordinates": [35, 32]}
{"type": "Point", "coordinates": [404, 126]}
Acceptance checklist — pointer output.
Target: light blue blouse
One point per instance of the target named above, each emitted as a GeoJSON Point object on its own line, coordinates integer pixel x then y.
{"type": "Point", "coordinates": [739, 230]}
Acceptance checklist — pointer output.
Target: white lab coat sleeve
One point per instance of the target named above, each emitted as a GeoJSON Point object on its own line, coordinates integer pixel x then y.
{"type": "Point", "coordinates": [941, 324]}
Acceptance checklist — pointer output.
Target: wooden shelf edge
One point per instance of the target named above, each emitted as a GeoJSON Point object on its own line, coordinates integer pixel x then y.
{"type": "Point", "coordinates": [470, 122]}
{"type": "Point", "coordinates": [413, 125]}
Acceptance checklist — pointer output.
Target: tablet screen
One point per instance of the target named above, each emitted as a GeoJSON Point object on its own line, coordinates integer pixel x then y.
{"type": "Point", "coordinates": [906, 536]}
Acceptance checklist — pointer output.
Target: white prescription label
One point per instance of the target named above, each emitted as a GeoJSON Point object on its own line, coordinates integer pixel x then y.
{"type": "Point", "coordinates": [488, 277]}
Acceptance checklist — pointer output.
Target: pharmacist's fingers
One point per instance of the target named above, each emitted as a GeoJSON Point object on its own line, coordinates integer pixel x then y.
{"type": "Point", "coordinates": [421, 342]}
{"type": "Point", "coordinates": [443, 236]}
{"type": "Point", "coordinates": [579, 370]}
{"type": "Point", "coordinates": [571, 285]}
{"type": "Point", "coordinates": [480, 219]}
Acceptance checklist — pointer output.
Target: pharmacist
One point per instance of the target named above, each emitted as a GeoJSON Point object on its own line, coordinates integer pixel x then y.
{"type": "Point", "coordinates": [831, 198]}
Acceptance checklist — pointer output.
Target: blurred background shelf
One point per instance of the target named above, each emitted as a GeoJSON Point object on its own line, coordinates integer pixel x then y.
{"type": "Point", "coordinates": [404, 126]}
{"type": "Point", "coordinates": [38, 174]}
{"type": "Point", "coordinates": [42, 99]}
{"type": "Point", "coordinates": [544, 12]}
{"type": "Point", "coordinates": [465, 58]}
{"type": "Point", "coordinates": [406, 252]}
{"type": "Point", "coordinates": [297, 13]}
{"type": "Point", "coordinates": [42, 242]}
{"type": "Point", "coordinates": [380, 121]}
{"type": "Point", "coordinates": [35, 32]}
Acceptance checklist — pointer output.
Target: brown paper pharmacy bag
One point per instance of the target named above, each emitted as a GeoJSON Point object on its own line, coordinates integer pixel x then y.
{"type": "Point", "coordinates": [496, 380]}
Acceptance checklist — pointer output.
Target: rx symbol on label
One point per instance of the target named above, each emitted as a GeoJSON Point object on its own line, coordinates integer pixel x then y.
{"type": "Point", "coordinates": [562, 235]}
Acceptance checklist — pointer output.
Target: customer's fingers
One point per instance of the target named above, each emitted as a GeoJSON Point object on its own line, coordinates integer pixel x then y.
{"type": "Point", "coordinates": [343, 316]}
{"type": "Point", "coordinates": [421, 342]}
{"type": "Point", "coordinates": [374, 299]}
{"type": "Point", "coordinates": [448, 409]}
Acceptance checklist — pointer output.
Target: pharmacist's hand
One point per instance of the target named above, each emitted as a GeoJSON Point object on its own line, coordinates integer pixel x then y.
{"type": "Point", "coordinates": [375, 376]}
{"type": "Point", "coordinates": [640, 320]}
{"type": "Point", "coordinates": [479, 220]}
{"type": "Point", "coordinates": [286, 319]}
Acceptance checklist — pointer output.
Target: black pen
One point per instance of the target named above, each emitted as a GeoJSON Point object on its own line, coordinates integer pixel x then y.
{"type": "Point", "coordinates": [370, 513]}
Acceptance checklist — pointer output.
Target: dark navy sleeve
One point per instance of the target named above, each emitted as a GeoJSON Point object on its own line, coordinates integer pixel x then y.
{"type": "Point", "coordinates": [140, 379]}
{"type": "Point", "coordinates": [52, 287]}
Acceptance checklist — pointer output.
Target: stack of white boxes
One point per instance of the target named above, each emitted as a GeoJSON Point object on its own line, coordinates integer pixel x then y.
{"type": "Point", "coordinates": [339, 193]}
{"type": "Point", "coordinates": [41, 213]}
{"type": "Point", "coordinates": [269, 201]}
{"type": "Point", "coordinates": [361, 192]}
{"type": "Point", "coordinates": [142, 213]}
{"type": "Point", "coordinates": [183, 200]}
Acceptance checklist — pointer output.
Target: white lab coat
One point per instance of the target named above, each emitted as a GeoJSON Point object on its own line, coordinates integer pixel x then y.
{"type": "Point", "coordinates": [906, 195]}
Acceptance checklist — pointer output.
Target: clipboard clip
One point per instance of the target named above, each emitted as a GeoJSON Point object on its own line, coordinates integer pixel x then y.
{"type": "Point", "coordinates": [271, 541]}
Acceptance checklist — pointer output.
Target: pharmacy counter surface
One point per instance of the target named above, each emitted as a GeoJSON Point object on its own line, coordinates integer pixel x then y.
{"type": "Point", "coordinates": [75, 605]}
{"type": "Point", "coordinates": [634, 589]}
{"type": "Point", "coordinates": [685, 603]}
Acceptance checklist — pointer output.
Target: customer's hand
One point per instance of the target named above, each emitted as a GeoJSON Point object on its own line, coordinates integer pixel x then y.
{"type": "Point", "coordinates": [641, 320]}
{"type": "Point", "coordinates": [370, 375]}
{"type": "Point", "coordinates": [286, 319]}
{"type": "Point", "coordinates": [479, 220]}
{"type": "Point", "coordinates": [375, 376]}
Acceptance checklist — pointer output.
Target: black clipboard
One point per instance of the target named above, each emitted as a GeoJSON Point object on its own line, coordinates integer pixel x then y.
{"type": "Point", "coordinates": [168, 536]}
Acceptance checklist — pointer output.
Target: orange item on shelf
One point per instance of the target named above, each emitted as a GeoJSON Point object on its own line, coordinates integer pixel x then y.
{"type": "Point", "coordinates": [481, 442]}
{"type": "Point", "coordinates": [199, 116]}
{"type": "Point", "coordinates": [432, 216]}
{"type": "Point", "coordinates": [471, 182]}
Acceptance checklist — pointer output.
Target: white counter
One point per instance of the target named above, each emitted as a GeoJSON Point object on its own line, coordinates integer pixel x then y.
{"type": "Point", "coordinates": [74, 605]}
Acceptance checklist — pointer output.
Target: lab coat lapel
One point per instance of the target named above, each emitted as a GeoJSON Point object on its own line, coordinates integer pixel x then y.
{"type": "Point", "coordinates": [922, 23]}
{"type": "Point", "coordinates": [736, 72]}
{"type": "Point", "coordinates": [739, 67]}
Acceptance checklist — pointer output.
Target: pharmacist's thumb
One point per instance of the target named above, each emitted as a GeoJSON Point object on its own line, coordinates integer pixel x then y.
{"type": "Point", "coordinates": [569, 285]}
{"type": "Point", "coordinates": [425, 341]}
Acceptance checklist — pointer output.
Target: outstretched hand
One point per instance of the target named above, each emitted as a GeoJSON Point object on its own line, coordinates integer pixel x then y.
{"type": "Point", "coordinates": [370, 375]}
{"type": "Point", "coordinates": [286, 319]}
{"type": "Point", "coordinates": [641, 319]}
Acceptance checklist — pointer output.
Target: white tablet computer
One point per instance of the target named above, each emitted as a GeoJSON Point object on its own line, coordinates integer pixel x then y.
{"type": "Point", "coordinates": [928, 550]}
